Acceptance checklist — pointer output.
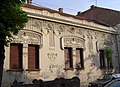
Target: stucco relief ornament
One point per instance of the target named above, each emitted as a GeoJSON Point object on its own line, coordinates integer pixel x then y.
{"type": "Point", "coordinates": [80, 31]}
{"type": "Point", "coordinates": [45, 31]}
{"type": "Point", "coordinates": [52, 56]}
{"type": "Point", "coordinates": [104, 36]}
{"type": "Point", "coordinates": [62, 28]}
{"type": "Point", "coordinates": [56, 32]}
{"type": "Point", "coordinates": [34, 25]}
{"type": "Point", "coordinates": [50, 26]}
{"type": "Point", "coordinates": [37, 24]}
{"type": "Point", "coordinates": [72, 30]}
{"type": "Point", "coordinates": [96, 35]}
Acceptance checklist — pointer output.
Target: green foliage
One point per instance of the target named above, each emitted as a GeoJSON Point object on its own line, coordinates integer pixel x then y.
{"type": "Point", "coordinates": [12, 18]}
{"type": "Point", "coordinates": [108, 53]}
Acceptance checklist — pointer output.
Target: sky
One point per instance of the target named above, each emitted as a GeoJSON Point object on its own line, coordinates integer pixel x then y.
{"type": "Point", "coordinates": [74, 6]}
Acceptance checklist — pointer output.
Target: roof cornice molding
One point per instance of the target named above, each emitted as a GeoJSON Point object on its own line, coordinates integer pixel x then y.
{"type": "Point", "coordinates": [56, 17]}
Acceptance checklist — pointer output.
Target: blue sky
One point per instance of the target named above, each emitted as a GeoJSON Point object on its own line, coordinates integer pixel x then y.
{"type": "Point", "coordinates": [73, 6]}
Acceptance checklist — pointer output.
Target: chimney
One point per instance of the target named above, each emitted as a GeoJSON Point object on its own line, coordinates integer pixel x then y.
{"type": "Point", "coordinates": [79, 13]}
{"type": "Point", "coordinates": [60, 10]}
{"type": "Point", "coordinates": [29, 2]}
{"type": "Point", "coordinates": [92, 6]}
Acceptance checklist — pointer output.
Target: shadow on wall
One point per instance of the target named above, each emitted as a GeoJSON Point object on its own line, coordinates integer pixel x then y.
{"type": "Point", "coordinates": [58, 82]}
{"type": "Point", "coordinates": [9, 76]}
{"type": "Point", "coordinates": [18, 78]}
{"type": "Point", "coordinates": [98, 60]}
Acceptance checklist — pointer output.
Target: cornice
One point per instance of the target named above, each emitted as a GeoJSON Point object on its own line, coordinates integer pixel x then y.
{"type": "Point", "coordinates": [55, 17]}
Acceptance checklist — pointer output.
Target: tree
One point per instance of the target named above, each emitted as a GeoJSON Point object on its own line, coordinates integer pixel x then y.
{"type": "Point", "coordinates": [12, 19]}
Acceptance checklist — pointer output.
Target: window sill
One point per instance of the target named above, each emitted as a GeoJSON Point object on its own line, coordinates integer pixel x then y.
{"type": "Point", "coordinates": [15, 70]}
{"type": "Point", "coordinates": [33, 69]}
{"type": "Point", "coordinates": [68, 68]}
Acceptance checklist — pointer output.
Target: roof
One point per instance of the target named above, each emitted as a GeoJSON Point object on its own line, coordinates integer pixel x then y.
{"type": "Point", "coordinates": [63, 14]}
{"type": "Point", "coordinates": [108, 16]}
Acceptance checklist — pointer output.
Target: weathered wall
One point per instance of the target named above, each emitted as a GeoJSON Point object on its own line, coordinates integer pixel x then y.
{"type": "Point", "coordinates": [53, 36]}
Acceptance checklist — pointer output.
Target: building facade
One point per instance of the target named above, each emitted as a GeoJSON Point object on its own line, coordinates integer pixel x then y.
{"type": "Point", "coordinates": [54, 44]}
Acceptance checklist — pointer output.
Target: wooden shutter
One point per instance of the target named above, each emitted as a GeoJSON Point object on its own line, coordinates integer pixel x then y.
{"type": "Point", "coordinates": [15, 56]}
{"type": "Point", "coordinates": [79, 58]}
{"type": "Point", "coordinates": [77, 55]}
{"type": "Point", "coordinates": [102, 59]}
{"type": "Point", "coordinates": [33, 57]}
{"type": "Point", "coordinates": [78, 62]}
{"type": "Point", "coordinates": [68, 57]}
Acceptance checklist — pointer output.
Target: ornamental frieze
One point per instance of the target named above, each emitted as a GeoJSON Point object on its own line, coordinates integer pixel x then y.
{"type": "Point", "coordinates": [71, 30]}
{"type": "Point", "coordinates": [80, 31]}
{"type": "Point", "coordinates": [45, 31]}
{"type": "Point", "coordinates": [89, 33]}
{"type": "Point", "coordinates": [45, 27]}
{"type": "Point", "coordinates": [34, 25]}
{"type": "Point", "coordinates": [96, 34]}
{"type": "Point", "coordinates": [104, 44]}
{"type": "Point", "coordinates": [57, 32]}
{"type": "Point", "coordinates": [28, 37]}
{"type": "Point", "coordinates": [62, 27]}
{"type": "Point", "coordinates": [72, 41]}
{"type": "Point", "coordinates": [48, 25]}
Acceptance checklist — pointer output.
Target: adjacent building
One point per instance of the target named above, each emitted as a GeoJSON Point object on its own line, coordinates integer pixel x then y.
{"type": "Point", "coordinates": [54, 44]}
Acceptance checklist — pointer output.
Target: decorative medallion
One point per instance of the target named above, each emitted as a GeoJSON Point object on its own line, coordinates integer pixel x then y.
{"type": "Point", "coordinates": [52, 56]}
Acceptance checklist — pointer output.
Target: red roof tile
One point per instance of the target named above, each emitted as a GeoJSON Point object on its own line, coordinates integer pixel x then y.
{"type": "Point", "coordinates": [104, 15]}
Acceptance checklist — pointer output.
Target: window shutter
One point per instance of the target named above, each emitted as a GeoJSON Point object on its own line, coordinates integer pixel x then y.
{"type": "Point", "coordinates": [15, 56]}
{"type": "Point", "coordinates": [68, 57]}
{"type": "Point", "coordinates": [78, 62]}
{"type": "Point", "coordinates": [33, 57]}
{"type": "Point", "coordinates": [102, 59]}
{"type": "Point", "coordinates": [79, 58]}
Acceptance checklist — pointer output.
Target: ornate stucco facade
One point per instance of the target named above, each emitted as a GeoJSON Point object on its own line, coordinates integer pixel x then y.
{"type": "Point", "coordinates": [52, 32]}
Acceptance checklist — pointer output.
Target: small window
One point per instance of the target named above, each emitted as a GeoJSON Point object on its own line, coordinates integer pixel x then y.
{"type": "Point", "coordinates": [16, 56]}
{"type": "Point", "coordinates": [68, 57]}
{"type": "Point", "coordinates": [79, 58]}
{"type": "Point", "coordinates": [33, 57]}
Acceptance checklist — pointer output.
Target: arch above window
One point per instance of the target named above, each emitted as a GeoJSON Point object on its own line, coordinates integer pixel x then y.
{"type": "Point", "coordinates": [28, 37]}
{"type": "Point", "coordinates": [103, 44]}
